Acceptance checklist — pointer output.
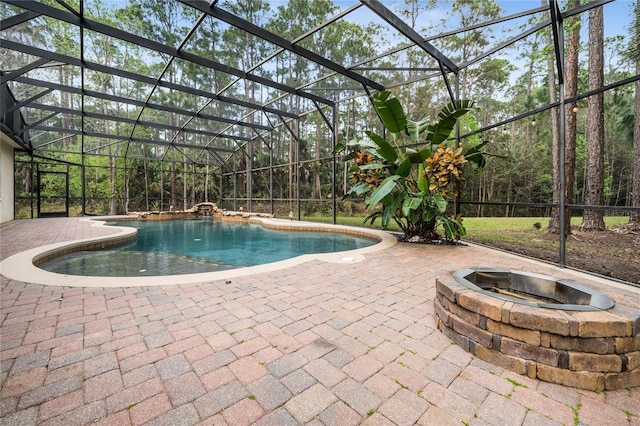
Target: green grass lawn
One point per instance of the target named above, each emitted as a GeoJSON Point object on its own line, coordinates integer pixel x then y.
{"type": "Point", "coordinates": [477, 224]}
{"type": "Point", "coordinates": [492, 223]}
{"type": "Point", "coordinates": [521, 230]}
{"type": "Point", "coordinates": [350, 221]}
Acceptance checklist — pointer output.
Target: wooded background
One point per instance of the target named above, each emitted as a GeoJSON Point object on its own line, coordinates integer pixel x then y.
{"type": "Point", "coordinates": [602, 147]}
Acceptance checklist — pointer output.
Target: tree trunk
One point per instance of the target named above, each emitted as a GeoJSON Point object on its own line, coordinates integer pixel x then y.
{"type": "Point", "coordinates": [292, 166]}
{"type": "Point", "coordinates": [554, 224]}
{"type": "Point", "coordinates": [317, 185]}
{"type": "Point", "coordinates": [571, 88]}
{"type": "Point", "coordinates": [184, 185]}
{"type": "Point", "coordinates": [113, 205]}
{"type": "Point", "coordinates": [113, 173]}
{"type": "Point", "coordinates": [172, 183]}
{"type": "Point", "coordinates": [146, 183]}
{"type": "Point", "coordinates": [593, 220]}
{"type": "Point", "coordinates": [509, 189]}
{"type": "Point", "coordinates": [193, 185]}
{"type": "Point", "coordinates": [206, 184]}
{"type": "Point", "coordinates": [634, 217]}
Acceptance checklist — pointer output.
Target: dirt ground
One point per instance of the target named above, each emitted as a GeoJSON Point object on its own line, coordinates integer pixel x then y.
{"type": "Point", "coordinates": [613, 253]}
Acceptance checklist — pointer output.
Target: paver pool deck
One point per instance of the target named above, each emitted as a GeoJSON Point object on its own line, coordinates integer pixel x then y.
{"type": "Point", "coordinates": [318, 343]}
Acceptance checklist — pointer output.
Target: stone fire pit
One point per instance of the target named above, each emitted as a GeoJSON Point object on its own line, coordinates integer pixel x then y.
{"type": "Point", "coordinates": [550, 329]}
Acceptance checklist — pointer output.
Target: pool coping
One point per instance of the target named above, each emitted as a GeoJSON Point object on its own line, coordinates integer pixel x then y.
{"type": "Point", "coordinates": [22, 266]}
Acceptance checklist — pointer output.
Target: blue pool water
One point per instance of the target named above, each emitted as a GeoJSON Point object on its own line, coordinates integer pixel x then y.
{"type": "Point", "coordinates": [172, 247]}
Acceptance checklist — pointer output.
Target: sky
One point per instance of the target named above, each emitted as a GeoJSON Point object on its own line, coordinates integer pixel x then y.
{"type": "Point", "coordinates": [617, 16]}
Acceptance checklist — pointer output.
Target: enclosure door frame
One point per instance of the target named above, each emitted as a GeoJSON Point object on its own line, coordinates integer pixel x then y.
{"type": "Point", "coordinates": [39, 174]}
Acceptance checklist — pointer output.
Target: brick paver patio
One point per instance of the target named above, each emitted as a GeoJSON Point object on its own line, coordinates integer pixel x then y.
{"type": "Point", "coordinates": [318, 343]}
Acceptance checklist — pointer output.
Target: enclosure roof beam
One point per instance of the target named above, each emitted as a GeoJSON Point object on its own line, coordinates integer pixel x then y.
{"type": "Point", "coordinates": [96, 115]}
{"type": "Point", "coordinates": [411, 80]}
{"type": "Point", "coordinates": [404, 29]}
{"type": "Point", "coordinates": [294, 41]}
{"type": "Point", "coordinates": [262, 33]}
{"type": "Point", "coordinates": [35, 123]}
{"type": "Point", "coordinates": [120, 99]}
{"type": "Point", "coordinates": [125, 138]}
{"type": "Point", "coordinates": [69, 163]}
{"type": "Point", "coordinates": [264, 112]}
{"type": "Point", "coordinates": [291, 132]}
{"type": "Point", "coordinates": [556, 104]}
{"type": "Point", "coordinates": [558, 39]}
{"type": "Point", "coordinates": [106, 145]}
{"type": "Point", "coordinates": [324, 117]}
{"type": "Point", "coordinates": [166, 68]}
{"type": "Point", "coordinates": [219, 159]}
{"type": "Point", "coordinates": [202, 151]}
{"type": "Point", "coordinates": [98, 154]}
{"type": "Point", "coordinates": [264, 141]}
{"type": "Point", "coordinates": [11, 75]}
{"type": "Point", "coordinates": [387, 69]}
{"type": "Point", "coordinates": [27, 101]}
{"type": "Point", "coordinates": [69, 8]}
{"type": "Point", "coordinates": [158, 47]}
{"type": "Point", "coordinates": [488, 23]}
{"type": "Point", "coordinates": [509, 42]}
{"type": "Point", "coordinates": [583, 8]}
{"type": "Point", "coordinates": [14, 137]}
{"type": "Point", "coordinates": [359, 65]}
{"type": "Point", "coordinates": [39, 146]}
{"type": "Point", "coordinates": [21, 18]}
{"type": "Point", "coordinates": [93, 151]}
{"type": "Point", "coordinates": [100, 116]}
{"type": "Point", "coordinates": [448, 33]}
{"type": "Point", "coordinates": [130, 75]}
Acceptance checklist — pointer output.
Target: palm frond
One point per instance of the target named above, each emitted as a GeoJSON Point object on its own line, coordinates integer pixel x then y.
{"type": "Point", "coordinates": [439, 132]}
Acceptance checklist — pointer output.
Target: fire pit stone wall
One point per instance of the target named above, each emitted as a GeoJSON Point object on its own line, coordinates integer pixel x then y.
{"type": "Point", "coordinates": [596, 350]}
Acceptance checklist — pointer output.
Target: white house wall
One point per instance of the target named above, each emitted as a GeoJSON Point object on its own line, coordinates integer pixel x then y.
{"type": "Point", "coordinates": [6, 179]}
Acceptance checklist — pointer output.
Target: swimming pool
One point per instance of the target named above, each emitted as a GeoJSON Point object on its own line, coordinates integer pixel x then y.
{"type": "Point", "coordinates": [23, 267]}
{"type": "Point", "coordinates": [170, 247]}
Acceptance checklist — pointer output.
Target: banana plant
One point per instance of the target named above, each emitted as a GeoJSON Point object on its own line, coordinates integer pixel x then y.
{"type": "Point", "coordinates": [409, 186]}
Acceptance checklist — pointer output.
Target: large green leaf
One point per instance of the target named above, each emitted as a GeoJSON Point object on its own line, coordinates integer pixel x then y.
{"type": "Point", "coordinates": [372, 217]}
{"type": "Point", "coordinates": [393, 201]}
{"type": "Point", "coordinates": [339, 147]}
{"type": "Point", "coordinates": [448, 227]}
{"type": "Point", "coordinates": [387, 215]}
{"type": "Point", "coordinates": [452, 227]}
{"type": "Point", "coordinates": [415, 216]}
{"type": "Point", "coordinates": [366, 145]}
{"type": "Point", "coordinates": [390, 111]}
{"type": "Point", "coordinates": [462, 231]}
{"type": "Point", "coordinates": [440, 202]}
{"type": "Point", "coordinates": [357, 189]}
{"type": "Point", "coordinates": [415, 128]}
{"type": "Point", "coordinates": [373, 166]}
{"type": "Point", "coordinates": [439, 132]}
{"type": "Point", "coordinates": [411, 203]}
{"type": "Point", "coordinates": [385, 149]}
{"type": "Point", "coordinates": [474, 154]}
{"type": "Point", "coordinates": [382, 191]}
{"type": "Point", "coordinates": [428, 215]}
{"type": "Point", "coordinates": [423, 182]}
{"type": "Point", "coordinates": [405, 167]}
{"type": "Point", "coordinates": [420, 156]}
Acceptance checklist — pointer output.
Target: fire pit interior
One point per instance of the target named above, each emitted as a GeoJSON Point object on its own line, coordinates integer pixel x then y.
{"type": "Point", "coordinates": [533, 289]}
{"type": "Point", "coordinates": [547, 328]}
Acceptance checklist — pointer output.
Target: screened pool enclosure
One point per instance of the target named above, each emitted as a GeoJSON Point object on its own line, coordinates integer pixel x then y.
{"type": "Point", "coordinates": [145, 105]}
